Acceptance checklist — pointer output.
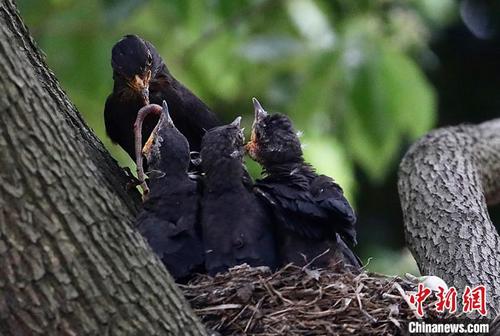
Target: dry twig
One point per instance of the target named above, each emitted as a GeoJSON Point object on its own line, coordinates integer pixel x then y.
{"type": "Point", "coordinates": [291, 302]}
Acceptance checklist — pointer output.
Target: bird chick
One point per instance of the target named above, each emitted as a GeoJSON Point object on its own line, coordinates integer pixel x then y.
{"type": "Point", "coordinates": [169, 218]}
{"type": "Point", "coordinates": [314, 220]}
{"type": "Point", "coordinates": [236, 227]}
{"type": "Point", "coordinates": [141, 77]}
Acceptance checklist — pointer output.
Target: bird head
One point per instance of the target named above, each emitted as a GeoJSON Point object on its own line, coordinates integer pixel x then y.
{"type": "Point", "coordinates": [167, 149]}
{"type": "Point", "coordinates": [134, 62]}
{"type": "Point", "coordinates": [273, 139]}
{"type": "Point", "coordinates": [223, 142]}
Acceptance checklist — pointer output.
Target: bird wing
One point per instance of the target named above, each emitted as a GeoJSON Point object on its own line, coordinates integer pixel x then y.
{"type": "Point", "coordinates": [349, 257]}
{"type": "Point", "coordinates": [293, 208]}
{"type": "Point", "coordinates": [118, 127]}
{"type": "Point", "coordinates": [329, 196]}
{"type": "Point", "coordinates": [110, 118]}
{"type": "Point", "coordinates": [317, 211]}
{"type": "Point", "coordinates": [175, 243]}
{"type": "Point", "coordinates": [190, 115]}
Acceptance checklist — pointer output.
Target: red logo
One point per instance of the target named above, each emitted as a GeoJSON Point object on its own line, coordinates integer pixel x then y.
{"type": "Point", "coordinates": [446, 300]}
{"type": "Point", "coordinates": [419, 298]}
{"type": "Point", "coordinates": [473, 299]}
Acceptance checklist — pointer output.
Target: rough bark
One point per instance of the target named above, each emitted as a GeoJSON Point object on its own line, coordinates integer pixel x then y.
{"type": "Point", "coordinates": [445, 182]}
{"type": "Point", "coordinates": [70, 262]}
{"type": "Point", "coordinates": [495, 327]}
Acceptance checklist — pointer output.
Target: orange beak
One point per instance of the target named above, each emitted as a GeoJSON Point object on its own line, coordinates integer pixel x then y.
{"type": "Point", "coordinates": [251, 146]}
{"type": "Point", "coordinates": [141, 84]}
{"type": "Point", "coordinates": [146, 150]}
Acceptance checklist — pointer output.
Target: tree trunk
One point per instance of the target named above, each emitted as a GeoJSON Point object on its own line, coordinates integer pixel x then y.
{"type": "Point", "coordinates": [445, 182]}
{"type": "Point", "coordinates": [70, 262]}
{"type": "Point", "coordinates": [495, 327]}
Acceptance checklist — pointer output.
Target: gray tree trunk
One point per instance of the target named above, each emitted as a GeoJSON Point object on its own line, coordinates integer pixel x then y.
{"type": "Point", "coordinates": [495, 327]}
{"type": "Point", "coordinates": [70, 262]}
{"type": "Point", "coordinates": [445, 182]}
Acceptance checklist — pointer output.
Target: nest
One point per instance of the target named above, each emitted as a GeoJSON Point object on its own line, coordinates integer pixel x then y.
{"type": "Point", "coordinates": [299, 301]}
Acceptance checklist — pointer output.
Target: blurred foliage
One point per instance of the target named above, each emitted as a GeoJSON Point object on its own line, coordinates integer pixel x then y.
{"type": "Point", "coordinates": [391, 262]}
{"type": "Point", "coordinates": [347, 72]}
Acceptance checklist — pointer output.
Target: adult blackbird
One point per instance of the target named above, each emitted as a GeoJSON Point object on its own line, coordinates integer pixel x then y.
{"type": "Point", "coordinates": [141, 77]}
{"type": "Point", "coordinates": [169, 218]}
{"type": "Point", "coordinates": [236, 227]}
{"type": "Point", "coordinates": [313, 218]}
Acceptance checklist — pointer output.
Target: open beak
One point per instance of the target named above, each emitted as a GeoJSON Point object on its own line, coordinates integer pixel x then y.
{"type": "Point", "coordinates": [145, 93]}
{"type": "Point", "coordinates": [141, 84]}
{"type": "Point", "coordinates": [251, 146]}
{"type": "Point", "coordinates": [166, 114]}
{"type": "Point", "coordinates": [259, 111]}
{"type": "Point", "coordinates": [237, 122]}
{"type": "Point", "coordinates": [148, 146]}
{"type": "Point", "coordinates": [165, 119]}
{"type": "Point", "coordinates": [146, 150]}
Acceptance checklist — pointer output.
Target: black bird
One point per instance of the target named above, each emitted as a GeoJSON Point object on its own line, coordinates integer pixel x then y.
{"type": "Point", "coordinates": [312, 215]}
{"type": "Point", "coordinates": [141, 77]}
{"type": "Point", "coordinates": [236, 227]}
{"type": "Point", "coordinates": [169, 218]}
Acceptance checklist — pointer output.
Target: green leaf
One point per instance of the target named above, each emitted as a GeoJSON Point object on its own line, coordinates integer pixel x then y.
{"type": "Point", "coordinates": [312, 103]}
{"type": "Point", "coordinates": [373, 151]}
{"type": "Point", "coordinates": [389, 99]}
{"type": "Point", "coordinates": [438, 11]}
{"type": "Point", "coordinates": [412, 99]}
{"type": "Point", "coordinates": [217, 70]}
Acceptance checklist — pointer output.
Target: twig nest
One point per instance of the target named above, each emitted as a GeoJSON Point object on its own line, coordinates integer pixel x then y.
{"type": "Point", "coordinates": [299, 301]}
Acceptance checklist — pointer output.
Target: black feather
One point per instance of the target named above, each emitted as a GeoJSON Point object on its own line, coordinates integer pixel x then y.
{"type": "Point", "coordinates": [236, 227]}
{"type": "Point", "coordinates": [129, 57]}
{"type": "Point", "coordinates": [310, 211]}
{"type": "Point", "coordinates": [169, 218]}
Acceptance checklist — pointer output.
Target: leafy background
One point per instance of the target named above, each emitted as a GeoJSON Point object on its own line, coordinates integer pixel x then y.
{"type": "Point", "coordinates": [353, 75]}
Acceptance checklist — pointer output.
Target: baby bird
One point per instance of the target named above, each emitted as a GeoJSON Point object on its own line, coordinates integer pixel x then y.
{"type": "Point", "coordinates": [169, 218]}
{"type": "Point", "coordinates": [236, 227]}
{"type": "Point", "coordinates": [313, 218]}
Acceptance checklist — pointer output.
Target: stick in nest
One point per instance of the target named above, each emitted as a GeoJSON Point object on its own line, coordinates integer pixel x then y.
{"type": "Point", "coordinates": [288, 303]}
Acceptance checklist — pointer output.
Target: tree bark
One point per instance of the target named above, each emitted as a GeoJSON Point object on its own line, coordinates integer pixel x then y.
{"type": "Point", "coordinates": [445, 182]}
{"type": "Point", "coordinates": [495, 327]}
{"type": "Point", "coordinates": [70, 261]}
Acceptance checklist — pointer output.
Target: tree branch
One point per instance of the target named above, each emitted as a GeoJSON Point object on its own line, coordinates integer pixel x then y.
{"type": "Point", "coordinates": [444, 182]}
{"type": "Point", "coordinates": [70, 262]}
